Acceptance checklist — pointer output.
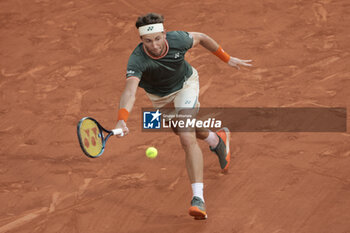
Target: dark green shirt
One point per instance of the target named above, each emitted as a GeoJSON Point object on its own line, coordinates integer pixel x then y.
{"type": "Point", "coordinates": [165, 75]}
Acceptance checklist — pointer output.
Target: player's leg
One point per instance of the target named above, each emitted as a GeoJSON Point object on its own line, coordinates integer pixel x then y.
{"type": "Point", "coordinates": [194, 165]}
{"type": "Point", "coordinates": [194, 157]}
{"type": "Point", "coordinates": [186, 104]}
{"type": "Point", "coordinates": [219, 142]}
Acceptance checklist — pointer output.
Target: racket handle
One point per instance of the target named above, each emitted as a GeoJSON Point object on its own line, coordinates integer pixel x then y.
{"type": "Point", "coordinates": [118, 131]}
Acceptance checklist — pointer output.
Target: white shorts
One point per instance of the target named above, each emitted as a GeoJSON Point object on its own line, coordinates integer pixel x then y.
{"type": "Point", "coordinates": [185, 98]}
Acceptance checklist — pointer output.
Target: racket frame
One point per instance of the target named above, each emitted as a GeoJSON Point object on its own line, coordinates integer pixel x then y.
{"type": "Point", "coordinates": [101, 129]}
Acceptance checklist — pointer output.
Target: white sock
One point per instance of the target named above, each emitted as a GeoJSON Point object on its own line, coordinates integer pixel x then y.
{"type": "Point", "coordinates": [197, 190]}
{"type": "Point", "coordinates": [212, 139]}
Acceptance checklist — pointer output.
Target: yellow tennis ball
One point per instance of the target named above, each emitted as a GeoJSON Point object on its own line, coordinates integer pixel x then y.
{"type": "Point", "coordinates": [151, 152]}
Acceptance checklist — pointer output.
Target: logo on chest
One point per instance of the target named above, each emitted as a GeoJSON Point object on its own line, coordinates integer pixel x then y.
{"type": "Point", "coordinates": [177, 55]}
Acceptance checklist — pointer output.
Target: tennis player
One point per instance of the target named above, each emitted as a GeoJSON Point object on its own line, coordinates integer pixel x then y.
{"type": "Point", "coordinates": [158, 66]}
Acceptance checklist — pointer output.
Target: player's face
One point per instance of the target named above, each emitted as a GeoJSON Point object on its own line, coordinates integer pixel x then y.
{"type": "Point", "coordinates": [155, 43]}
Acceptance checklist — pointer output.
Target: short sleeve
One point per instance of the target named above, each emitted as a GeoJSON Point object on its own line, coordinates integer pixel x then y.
{"type": "Point", "coordinates": [186, 39]}
{"type": "Point", "coordinates": [133, 68]}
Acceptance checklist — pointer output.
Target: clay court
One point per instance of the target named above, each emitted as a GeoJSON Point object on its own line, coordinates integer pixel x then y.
{"type": "Point", "coordinates": [63, 60]}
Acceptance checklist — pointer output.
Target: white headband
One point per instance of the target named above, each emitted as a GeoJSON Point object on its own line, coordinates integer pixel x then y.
{"type": "Point", "coordinates": [151, 28]}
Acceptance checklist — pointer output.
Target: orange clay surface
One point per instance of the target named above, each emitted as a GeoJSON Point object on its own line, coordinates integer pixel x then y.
{"type": "Point", "coordinates": [63, 60]}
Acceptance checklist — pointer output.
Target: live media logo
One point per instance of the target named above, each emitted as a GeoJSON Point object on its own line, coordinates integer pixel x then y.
{"type": "Point", "coordinates": [152, 120]}
{"type": "Point", "coordinates": [277, 119]}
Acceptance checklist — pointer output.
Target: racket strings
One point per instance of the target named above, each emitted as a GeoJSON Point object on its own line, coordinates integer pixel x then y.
{"type": "Point", "coordinates": [91, 137]}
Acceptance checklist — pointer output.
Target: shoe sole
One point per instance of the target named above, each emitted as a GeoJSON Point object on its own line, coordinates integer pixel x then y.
{"type": "Point", "coordinates": [197, 213]}
{"type": "Point", "coordinates": [228, 156]}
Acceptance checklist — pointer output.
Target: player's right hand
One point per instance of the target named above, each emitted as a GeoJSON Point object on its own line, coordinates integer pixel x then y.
{"type": "Point", "coordinates": [122, 125]}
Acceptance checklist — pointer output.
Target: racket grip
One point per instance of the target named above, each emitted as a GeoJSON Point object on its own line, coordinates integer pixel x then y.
{"type": "Point", "coordinates": [118, 131]}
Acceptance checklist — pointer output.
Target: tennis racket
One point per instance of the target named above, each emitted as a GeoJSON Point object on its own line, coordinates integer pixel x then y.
{"type": "Point", "coordinates": [91, 136]}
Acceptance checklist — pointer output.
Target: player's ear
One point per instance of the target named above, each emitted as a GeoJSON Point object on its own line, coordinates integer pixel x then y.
{"type": "Point", "coordinates": [164, 32]}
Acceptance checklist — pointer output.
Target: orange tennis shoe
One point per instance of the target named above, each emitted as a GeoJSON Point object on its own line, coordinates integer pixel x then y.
{"type": "Point", "coordinates": [197, 209]}
{"type": "Point", "coordinates": [222, 150]}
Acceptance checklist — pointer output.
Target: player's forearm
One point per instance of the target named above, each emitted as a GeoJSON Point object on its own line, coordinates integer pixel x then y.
{"type": "Point", "coordinates": [208, 42]}
{"type": "Point", "coordinates": [127, 100]}
{"type": "Point", "coordinates": [126, 103]}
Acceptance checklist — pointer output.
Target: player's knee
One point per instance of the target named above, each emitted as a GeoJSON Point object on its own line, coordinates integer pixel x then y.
{"type": "Point", "coordinates": [187, 139]}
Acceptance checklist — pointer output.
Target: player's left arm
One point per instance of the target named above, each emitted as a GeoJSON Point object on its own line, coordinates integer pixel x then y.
{"type": "Point", "coordinates": [210, 44]}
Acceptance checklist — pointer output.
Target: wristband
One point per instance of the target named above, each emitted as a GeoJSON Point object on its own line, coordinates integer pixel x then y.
{"type": "Point", "coordinates": [220, 53]}
{"type": "Point", "coordinates": [123, 114]}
